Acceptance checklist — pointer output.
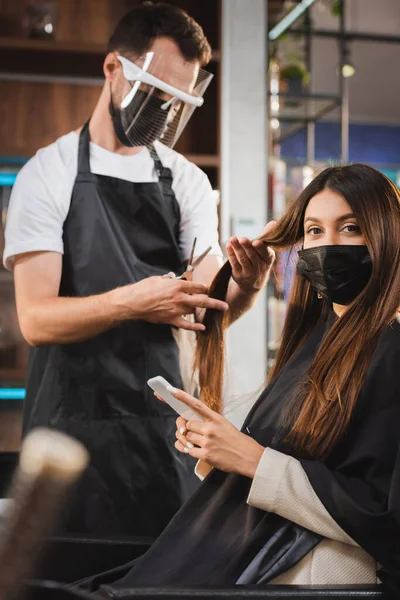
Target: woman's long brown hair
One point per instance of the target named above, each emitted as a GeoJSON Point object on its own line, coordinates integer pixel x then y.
{"type": "Point", "coordinates": [325, 404]}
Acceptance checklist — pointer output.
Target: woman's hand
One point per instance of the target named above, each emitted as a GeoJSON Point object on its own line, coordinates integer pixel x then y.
{"type": "Point", "coordinates": [251, 262]}
{"type": "Point", "coordinates": [215, 440]}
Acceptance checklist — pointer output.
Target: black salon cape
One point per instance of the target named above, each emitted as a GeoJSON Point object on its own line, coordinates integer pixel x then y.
{"type": "Point", "coordinates": [217, 538]}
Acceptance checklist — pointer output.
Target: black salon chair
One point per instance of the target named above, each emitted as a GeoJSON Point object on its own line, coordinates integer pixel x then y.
{"type": "Point", "coordinates": [67, 559]}
{"type": "Point", "coordinates": [8, 464]}
{"type": "Point", "coordinates": [47, 590]}
{"type": "Point", "coordinates": [70, 559]}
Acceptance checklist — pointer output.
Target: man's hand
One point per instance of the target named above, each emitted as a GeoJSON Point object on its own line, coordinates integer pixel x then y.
{"type": "Point", "coordinates": [47, 318]}
{"type": "Point", "coordinates": [251, 262]}
{"type": "Point", "coordinates": [165, 300]}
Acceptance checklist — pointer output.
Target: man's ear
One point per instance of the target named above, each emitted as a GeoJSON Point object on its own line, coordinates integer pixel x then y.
{"type": "Point", "coordinates": [111, 66]}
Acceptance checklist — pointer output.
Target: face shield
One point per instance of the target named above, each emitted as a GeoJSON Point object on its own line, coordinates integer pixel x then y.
{"type": "Point", "coordinates": [160, 95]}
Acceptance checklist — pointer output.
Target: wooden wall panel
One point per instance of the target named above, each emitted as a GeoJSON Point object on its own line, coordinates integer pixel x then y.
{"type": "Point", "coordinates": [76, 20]}
{"type": "Point", "coordinates": [11, 18]}
{"type": "Point", "coordinates": [36, 114]}
{"type": "Point", "coordinates": [11, 428]}
{"type": "Point", "coordinates": [93, 20]}
{"type": "Point", "coordinates": [83, 21]}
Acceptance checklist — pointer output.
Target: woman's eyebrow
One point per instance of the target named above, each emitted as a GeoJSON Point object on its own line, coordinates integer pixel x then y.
{"type": "Point", "coordinates": [345, 217]}
{"type": "Point", "coordinates": [338, 220]}
{"type": "Point", "coordinates": [313, 219]}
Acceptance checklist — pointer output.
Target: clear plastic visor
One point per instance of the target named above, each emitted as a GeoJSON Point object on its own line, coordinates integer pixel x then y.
{"type": "Point", "coordinates": [160, 95]}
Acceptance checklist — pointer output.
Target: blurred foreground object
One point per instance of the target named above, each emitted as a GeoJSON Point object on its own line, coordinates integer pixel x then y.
{"type": "Point", "coordinates": [50, 462]}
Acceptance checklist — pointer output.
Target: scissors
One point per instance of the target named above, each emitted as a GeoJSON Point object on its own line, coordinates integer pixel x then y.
{"type": "Point", "coordinates": [187, 275]}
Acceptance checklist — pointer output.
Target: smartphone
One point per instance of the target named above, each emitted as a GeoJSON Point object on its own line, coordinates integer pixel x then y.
{"type": "Point", "coordinates": [159, 385]}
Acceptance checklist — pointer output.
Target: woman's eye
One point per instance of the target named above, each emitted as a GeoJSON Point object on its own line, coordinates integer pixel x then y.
{"type": "Point", "coordinates": [314, 230]}
{"type": "Point", "coordinates": [351, 228]}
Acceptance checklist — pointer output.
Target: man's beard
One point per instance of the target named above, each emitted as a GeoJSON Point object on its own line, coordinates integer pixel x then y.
{"type": "Point", "coordinates": [146, 117]}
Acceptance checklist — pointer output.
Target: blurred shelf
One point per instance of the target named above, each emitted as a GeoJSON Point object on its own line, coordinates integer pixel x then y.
{"type": "Point", "coordinates": [16, 374]}
{"type": "Point", "coordinates": [73, 47]}
{"type": "Point", "coordinates": [52, 79]}
{"type": "Point", "coordinates": [54, 61]}
{"type": "Point", "coordinates": [295, 111]}
{"type": "Point", "coordinates": [204, 160]}
{"type": "Point", "coordinates": [304, 107]}
{"type": "Point", "coordinates": [11, 43]}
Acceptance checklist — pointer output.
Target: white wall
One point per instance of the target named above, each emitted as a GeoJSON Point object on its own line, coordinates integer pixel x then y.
{"type": "Point", "coordinates": [244, 168]}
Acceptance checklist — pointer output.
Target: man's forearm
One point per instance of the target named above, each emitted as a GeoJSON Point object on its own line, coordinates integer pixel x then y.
{"type": "Point", "coordinates": [57, 320]}
{"type": "Point", "coordinates": [65, 320]}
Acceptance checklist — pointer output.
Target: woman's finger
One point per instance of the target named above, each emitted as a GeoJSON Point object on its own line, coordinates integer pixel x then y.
{"type": "Point", "coordinates": [240, 253]}
{"type": "Point", "coordinates": [235, 264]}
{"type": "Point", "coordinates": [181, 438]}
{"type": "Point", "coordinates": [269, 227]}
{"type": "Point", "coordinates": [181, 447]}
{"type": "Point", "coordinates": [181, 424]}
{"type": "Point", "coordinates": [199, 427]}
{"type": "Point", "coordinates": [194, 452]}
{"type": "Point", "coordinates": [199, 407]}
{"type": "Point", "coordinates": [266, 254]}
{"type": "Point", "coordinates": [252, 255]}
{"type": "Point", "coordinates": [195, 439]}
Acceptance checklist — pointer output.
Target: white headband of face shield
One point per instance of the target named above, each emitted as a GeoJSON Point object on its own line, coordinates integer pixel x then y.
{"type": "Point", "coordinates": [134, 73]}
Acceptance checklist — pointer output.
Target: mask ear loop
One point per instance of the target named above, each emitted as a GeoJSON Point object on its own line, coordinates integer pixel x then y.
{"type": "Point", "coordinates": [111, 100]}
{"type": "Point", "coordinates": [112, 103]}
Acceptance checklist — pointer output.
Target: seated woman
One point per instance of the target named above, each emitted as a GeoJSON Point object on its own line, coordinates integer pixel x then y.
{"type": "Point", "coordinates": [309, 491]}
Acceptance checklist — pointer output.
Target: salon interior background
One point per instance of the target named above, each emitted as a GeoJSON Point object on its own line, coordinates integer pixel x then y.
{"type": "Point", "coordinates": [273, 114]}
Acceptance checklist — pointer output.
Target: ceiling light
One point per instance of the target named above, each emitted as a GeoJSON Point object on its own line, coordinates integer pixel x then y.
{"type": "Point", "coordinates": [289, 19]}
{"type": "Point", "coordinates": [274, 106]}
{"type": "Point", "coordinates": [348, 69]}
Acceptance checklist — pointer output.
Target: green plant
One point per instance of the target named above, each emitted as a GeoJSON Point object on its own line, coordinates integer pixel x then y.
{"type": "Point", "coordinates": [337, 8]}
{"type": "Point", "coordinates": [294, 70]}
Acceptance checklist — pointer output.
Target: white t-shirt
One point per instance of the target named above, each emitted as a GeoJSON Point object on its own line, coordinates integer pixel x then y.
{"type": "Point", "coordinates": [41, 196]}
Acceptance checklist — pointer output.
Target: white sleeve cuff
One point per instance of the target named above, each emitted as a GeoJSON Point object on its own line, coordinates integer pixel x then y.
{"type": "Point", "coordinates": [264, 491]}
{"type": "Point", "coordinates": [13, 250]}
{"type": "Point", "coordinates": [281, 486]}
{"type": "Point", "coordinates": [202, 469]}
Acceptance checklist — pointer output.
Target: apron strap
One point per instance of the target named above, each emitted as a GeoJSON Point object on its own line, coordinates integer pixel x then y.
{"type": "Point", "coordinates": [164, 174]}
{"type": "Point", "coordinates": [84, 150]}
{"type": "Point", "coordinates": [165, 185]}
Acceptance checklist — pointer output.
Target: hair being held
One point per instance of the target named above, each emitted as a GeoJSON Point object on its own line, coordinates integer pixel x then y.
{"type": "Point", "coordinates": [323, 408]}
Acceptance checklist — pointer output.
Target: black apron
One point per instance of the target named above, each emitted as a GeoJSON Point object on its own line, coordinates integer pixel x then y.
{"type": "Point", "coordinates": [116, 233]}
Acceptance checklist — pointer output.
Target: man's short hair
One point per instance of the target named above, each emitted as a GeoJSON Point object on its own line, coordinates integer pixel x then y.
{"type": "Point", "coordinates": [137, 30]}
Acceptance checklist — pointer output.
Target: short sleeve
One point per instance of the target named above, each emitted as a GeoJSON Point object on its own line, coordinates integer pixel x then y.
{"type": "Point", "coordinates": [199, 216]}
{"type": "Point", "coordinates": [38, 207]}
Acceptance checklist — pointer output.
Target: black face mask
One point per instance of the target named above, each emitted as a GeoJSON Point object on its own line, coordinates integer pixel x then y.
{"type": "Point", "coordinates": [338, 273]}
{"type": "Point", "coordinates": [147, 127]}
